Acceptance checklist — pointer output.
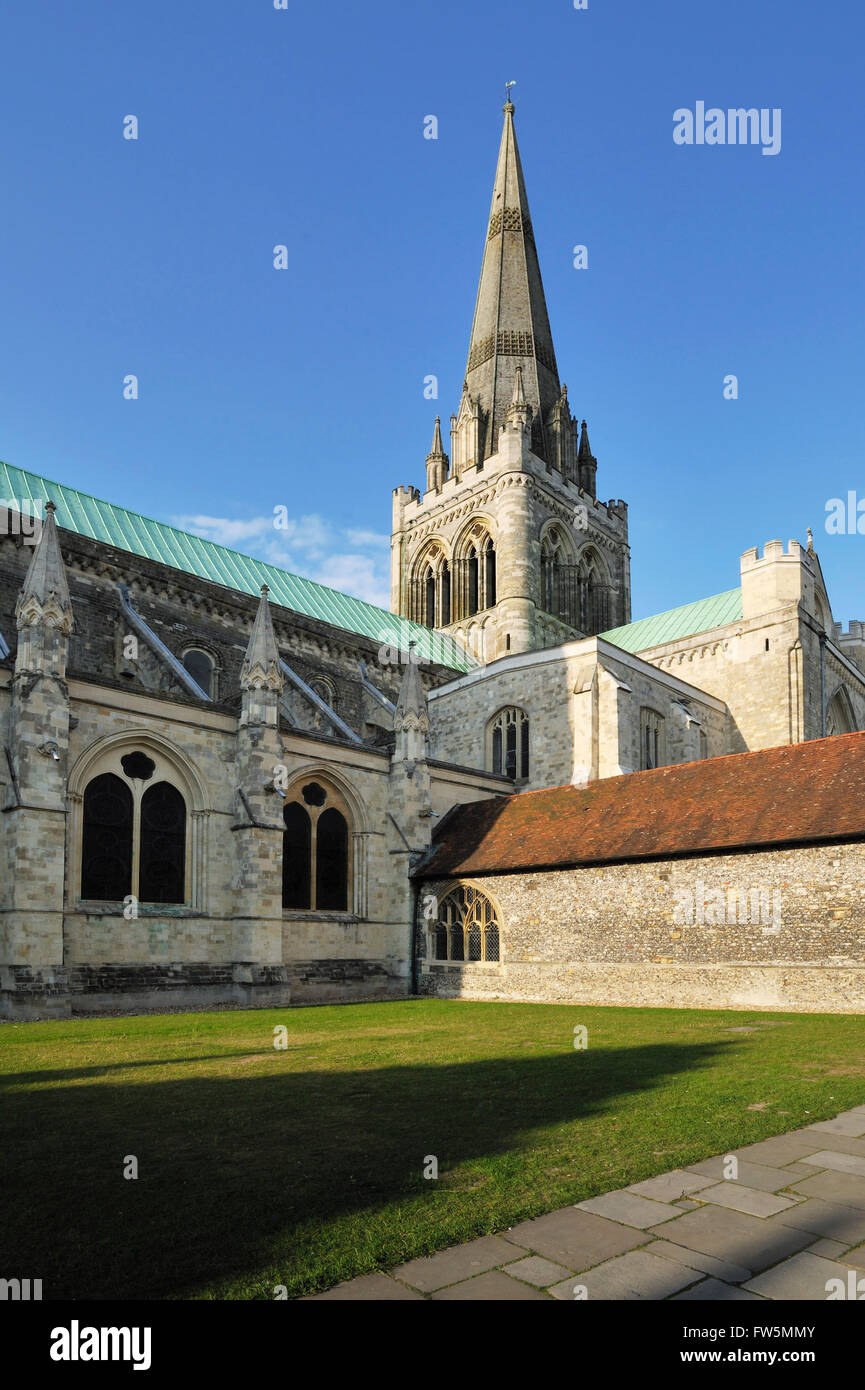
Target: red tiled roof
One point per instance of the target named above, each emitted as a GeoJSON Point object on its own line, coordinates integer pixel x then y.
{"type": "Point", "coordinates": [801, 792]}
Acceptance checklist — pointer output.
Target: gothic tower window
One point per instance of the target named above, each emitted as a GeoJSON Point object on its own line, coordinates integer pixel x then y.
{"type": "Point", "coordinates": [509, 743]}
{"type": "Point", "coordinates": [653, 751]}
{"type": "Point", "coordinates": [315, 844]}
{"type": "Point", "coordinates": [474, 587]}
{"type": "Point", "coordinates": [430, 589]}
{"type": "Point", "coordinates": [466, 929]}
{"type": "Point", "coordinates": [430, 599]}
{"type": "Point", "coordinates": [202, 669]}
{"type": "Point", "coordinates": [594, 596]}
{"type": "Point", "coordinates": [559, 579]}
{"type": "Point", "coordinates": [133, 841]}
{"type": "Point", "coordinates": [474, 573]}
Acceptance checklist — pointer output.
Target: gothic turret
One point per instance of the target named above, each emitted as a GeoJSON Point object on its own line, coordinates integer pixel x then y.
{"type": "Point", "coordinates": [587, 464]}
{"type": "Point", "coordinates": [258, 827]}
{"type": "Point", "coordinates": [436, 461]}
{"type": "Point", "coordinates": [38, 751]}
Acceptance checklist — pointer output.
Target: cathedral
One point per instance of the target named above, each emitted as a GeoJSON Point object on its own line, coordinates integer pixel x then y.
{"type": "Point", "coordinates": [224, 784]}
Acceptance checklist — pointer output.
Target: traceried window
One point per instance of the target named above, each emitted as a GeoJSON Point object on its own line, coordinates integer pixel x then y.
{"type": "Point", "coordinates": [653, 752]}
{"type": "Point", "coordinates": [202, 669]}
{"type": "Point", "coordinates": [315, 845]}
{"type": "Point", "coordinates": [466, 929]}
{"type": "Point", "coordinates": [134, 837]}
{"type": "Point", "coordinates": [509, 743]}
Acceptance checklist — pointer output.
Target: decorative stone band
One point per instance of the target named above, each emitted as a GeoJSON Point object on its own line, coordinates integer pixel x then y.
{"type": "Point", "coordinates": [511, 220]}
{"type": "Point", "coordinates": [511, 343]}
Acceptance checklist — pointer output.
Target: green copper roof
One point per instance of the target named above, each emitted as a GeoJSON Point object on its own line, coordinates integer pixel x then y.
{"type": "Point", "coordinates": [115, 526]}
{"type": "Point", "coordinates": [691, 618]}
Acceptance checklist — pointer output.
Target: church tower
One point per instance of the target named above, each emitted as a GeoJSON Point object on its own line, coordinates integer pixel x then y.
{"type": "Point", "coordinates": [508, 549]}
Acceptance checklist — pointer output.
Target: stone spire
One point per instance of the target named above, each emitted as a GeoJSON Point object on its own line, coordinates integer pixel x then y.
{"type": "Point", "coordinates": [436, 460]}
{"type": "Point", "coordinates": [587, 464]}
{"type": "Point", "coordinates": [511, 326]}
{"type": "Point", "coordinates": [261, 669]}
{"type": "Point", "coordinates": [44, 597]}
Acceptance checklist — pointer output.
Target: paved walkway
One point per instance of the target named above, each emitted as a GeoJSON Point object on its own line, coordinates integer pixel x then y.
{"type": "Point", "coordinates": [792, 1219]}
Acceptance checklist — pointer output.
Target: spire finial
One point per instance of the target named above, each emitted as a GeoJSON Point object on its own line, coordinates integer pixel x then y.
{"type": "Point", "coordinates": [509, 105]}
{"type": "Point", "coordinates": [810, 541]}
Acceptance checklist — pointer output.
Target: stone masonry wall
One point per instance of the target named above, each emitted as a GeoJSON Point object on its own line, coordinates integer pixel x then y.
{"type": "Point", "coordinates": [615, 934]}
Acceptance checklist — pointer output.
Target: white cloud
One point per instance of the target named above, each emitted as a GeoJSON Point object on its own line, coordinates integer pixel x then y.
{"type": "Point", "coordinates": [353, 561]}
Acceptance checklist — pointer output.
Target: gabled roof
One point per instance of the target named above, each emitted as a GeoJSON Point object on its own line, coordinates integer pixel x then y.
{"type": "Point", "coordinates": [686, 621]}
{"type": "Point", "coordinates": [798, 793]}
{"type": "Point", "coordinates": [167, 545]}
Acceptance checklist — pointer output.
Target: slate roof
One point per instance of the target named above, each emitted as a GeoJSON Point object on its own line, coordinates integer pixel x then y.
{"type": "Point", "coordinates": [167, 545]}
{"type": "Point", "coordinates": [691, 618]}
{"type": "Point", "coordinates": [799, 793]}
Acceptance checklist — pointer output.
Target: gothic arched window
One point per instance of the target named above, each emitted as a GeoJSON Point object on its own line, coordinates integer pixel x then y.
{"type": "Point", "coordinates": [296, 856]}
{"type": "Point", "coordinates": [325, 690]}
{"type": "Point", "coordinates": [202, 669]}
{"type": "Point", "coordinates": [430, 599]}
{"type": "Point", "coordinates": [466, 929]}
{"type": "Point", "coordinates": [134, 838]}
{"type": "Point", "coordinates": [559, 582]}
{"type": "Point", "coordinates": [315, 856]}
{"type": "Point", "coordinates": [509, 743]}
{"type": "Point", "coordinates": [474, 573]}
{"type": "Point", "coordinates": [653, 751]}
{"type": "Point", "coordinates": [106, 854]}
{"type": "Point", "coordinates": [162, 853]}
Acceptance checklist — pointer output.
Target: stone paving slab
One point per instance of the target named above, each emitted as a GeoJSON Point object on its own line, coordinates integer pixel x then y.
{"type": "Point", "coordinates": [715, 1291]}
{"type": "Point", "coordinates": [784, 1149]}
{"type": "Point", "coordinates": [804, 1276]}
{"type": "Point", "coordinates": [575, 1239]}
{"type": "Point", "coordinates": [633, 1276]}
{"type": "Point", "coordinates": [751, 1174]}
{"type": "Point", "coordinates": [668, 1187]}
{"type": "Point", "coordinates": [748, 1199]}
{"type": "Point", "coordinates": [492, 1287]}
{"type": "Point", "coordinates": [838, 1143]}
{"type": "Point", "coordinates": [831, 1248]}
{"type": "Point", "coordinates": [431, 1272]}
{"type": "Point", "coordinates": [628, 1208]}
{"type": "Point", "coordinates": [695, 1259]}
{"type": "Point", "coordinates": [846, 1188]}
{"type": "Point", "coordinates": [856, 1257]}
{"type": "Point", "coordinates": [842, 1163]}
{"type": "Point", "coordinates": [731, 1235]}
{"type": "Point", "coordinates": [849, 1124]}
{"type": "Point", "coordinates": [829, 1219]}
{"type": "Point", "coordinates": [367, 1288]}
{"type": "Point", "coordinates": [538, 1271]}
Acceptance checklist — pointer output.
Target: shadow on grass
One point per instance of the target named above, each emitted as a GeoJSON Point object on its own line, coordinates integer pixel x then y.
{"type": "Point", "coordinates": [234, 1172]}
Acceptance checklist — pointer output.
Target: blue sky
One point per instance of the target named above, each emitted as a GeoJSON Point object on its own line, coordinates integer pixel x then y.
{"type": "Point", "coordinates": [304, 388]}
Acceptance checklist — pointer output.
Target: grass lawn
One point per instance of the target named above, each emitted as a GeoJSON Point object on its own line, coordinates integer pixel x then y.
{"type": "Point", "coordinates": [303, 1167]}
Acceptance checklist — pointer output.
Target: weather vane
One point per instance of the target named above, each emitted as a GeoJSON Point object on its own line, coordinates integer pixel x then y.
{"type": "Point", "coordinates": [508, 86]}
